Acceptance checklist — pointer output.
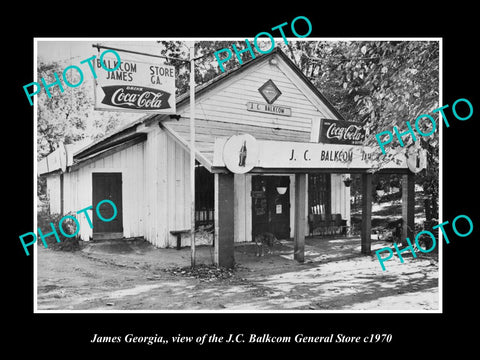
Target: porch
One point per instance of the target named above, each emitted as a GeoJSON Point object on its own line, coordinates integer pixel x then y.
{"type": "Point", "coordinates": [225, 219]}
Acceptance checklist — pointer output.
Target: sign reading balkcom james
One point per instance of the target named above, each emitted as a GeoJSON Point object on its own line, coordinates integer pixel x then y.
{"type": "Point", "coordinates": [299, 155]}
{"type": "Point", "coordinates": [134, 86]}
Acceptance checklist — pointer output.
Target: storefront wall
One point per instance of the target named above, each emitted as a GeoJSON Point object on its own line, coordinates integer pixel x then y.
{"type": "Point", "coordinates": [243, 205]}
{"type": "Point", "coordinates": [340, 203]}
{"type": "Point", "coordinates": [155, 173]}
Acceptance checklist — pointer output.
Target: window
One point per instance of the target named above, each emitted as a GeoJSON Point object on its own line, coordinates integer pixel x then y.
{"type": "Point", "coordinates": [319, 194]}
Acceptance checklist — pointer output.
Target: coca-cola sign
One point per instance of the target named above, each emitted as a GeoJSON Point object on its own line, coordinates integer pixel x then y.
{"type": "Point", "coordinates": [135, 86]}
{"type": "Point", "coordinates": [341, 132]}
{"type": "Point", "coordinates": [135, 97]}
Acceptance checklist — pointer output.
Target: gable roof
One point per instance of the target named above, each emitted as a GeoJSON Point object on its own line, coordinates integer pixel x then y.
{"type": "Point", "coordinates": [184, 98]}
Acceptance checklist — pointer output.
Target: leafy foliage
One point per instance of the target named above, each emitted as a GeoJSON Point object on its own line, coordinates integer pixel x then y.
{"type": "Point", "coordinates": [381, 84]}
{"type": "Point", "coordinates": [206, 66]}
{"type": "Point", "coordinates": [60, 118]}
{"type": "Point", "coordinates": [69, 116]}
{"type": "Point", "coordinates": [44, 219]}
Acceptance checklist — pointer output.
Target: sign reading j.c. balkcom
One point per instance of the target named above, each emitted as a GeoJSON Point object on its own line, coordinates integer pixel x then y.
{"type": "Point", "coordinates": [134, 86]}
{"type": "Point", "coordinates": [270, 154]}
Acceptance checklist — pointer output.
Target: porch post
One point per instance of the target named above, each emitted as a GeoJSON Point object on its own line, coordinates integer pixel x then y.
{"type": "Point", "coordinates": [366, 240]}
{"type": "Point", "coordinates": [224, 221]}
{"type": "Point", "coordinates": [408, 206]}
{"type": "Point", "coordinates": [299, 226]}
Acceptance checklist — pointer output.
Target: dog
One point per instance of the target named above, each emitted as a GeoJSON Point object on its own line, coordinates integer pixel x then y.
{"type": "Point", "coordinates": [396, 230]}
{"type": "Point", "coordinates": [263, 240]}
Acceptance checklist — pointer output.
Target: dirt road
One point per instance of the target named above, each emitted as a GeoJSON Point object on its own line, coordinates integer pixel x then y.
{"type": "Point", "coordinates": [133, 275]}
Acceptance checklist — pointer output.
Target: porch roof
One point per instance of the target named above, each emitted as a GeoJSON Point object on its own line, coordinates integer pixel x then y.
{"type": "Point", "coordinates": [206, 131]}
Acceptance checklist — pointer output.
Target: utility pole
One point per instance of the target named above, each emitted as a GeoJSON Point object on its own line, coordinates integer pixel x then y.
{"type": "Point", "coordinates": [192, 151]}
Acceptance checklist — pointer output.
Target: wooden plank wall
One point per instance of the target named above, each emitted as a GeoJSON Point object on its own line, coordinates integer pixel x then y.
{"type": "Point", "coordinates": [167, 188]}
{"type": "Point", "coordinates": [340, 197]}
{"type": "Point", "coordinates": [78, 189]}
{"type": "Point", "coordinates": [155, 189]}
{"type": "Point", "coordinates": [53, 192]}
{"type": "Point", "coordinates": [155, 195]}
{"type": "Point", "coordinates": [178, 193]}
{"type": "Point", "coordinates": [243, 207]}
{"type": "Point", "coordinates": [233, 96]}
{"type": "Point", "coordinates": [156, 192]}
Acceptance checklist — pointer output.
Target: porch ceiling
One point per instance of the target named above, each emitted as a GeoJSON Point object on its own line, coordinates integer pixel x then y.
{"type": "Point", "coordinates": [207, 130]}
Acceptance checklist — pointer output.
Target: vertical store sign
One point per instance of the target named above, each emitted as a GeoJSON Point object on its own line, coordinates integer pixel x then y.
{"type": "Point", "coordinates": [134, 86]}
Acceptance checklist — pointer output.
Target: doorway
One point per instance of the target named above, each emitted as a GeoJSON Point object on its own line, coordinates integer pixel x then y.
{"type": "Point", "coordinates": [271, 205]}
{"type": "Point", "coordinates": [107, 186]}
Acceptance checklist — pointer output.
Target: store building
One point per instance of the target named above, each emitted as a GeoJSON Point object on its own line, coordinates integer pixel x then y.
{"type": "Point", "coordinates": [271, 152]}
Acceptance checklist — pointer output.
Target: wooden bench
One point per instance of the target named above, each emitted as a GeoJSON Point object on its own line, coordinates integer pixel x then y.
{"type": "Point", "coordinates": [178, 234]}
{"type": "Point", "coordinates": [328, 223]}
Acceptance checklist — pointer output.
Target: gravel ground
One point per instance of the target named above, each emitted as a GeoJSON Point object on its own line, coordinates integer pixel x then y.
{"type": "Point", "coordinates": [133, 275]}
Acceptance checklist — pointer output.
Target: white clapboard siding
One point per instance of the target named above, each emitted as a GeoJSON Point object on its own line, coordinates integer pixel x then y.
{"type": "Point", "coordinates": [241, 203]}
{"type": "Point", "coordinates": [227, 101]}
{"type": "Point", "coordinates": [340, 197]}
{"type": "Point", "coordinates": [78, 189]}
{"type": "Point", "coordinates": [179, 199]}
{"type": "Point", "coordinates": [53, 192]}
{"type": "Point", "coordinates": [155, 175]}
{"type": "Point", "coordinates": [167, 185]}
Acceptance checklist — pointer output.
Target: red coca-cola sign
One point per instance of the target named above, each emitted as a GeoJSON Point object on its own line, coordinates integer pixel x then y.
{"type": "Point", "coordinates": [135, 97]}
{"type": "Point", "coordinates": [341, 132]}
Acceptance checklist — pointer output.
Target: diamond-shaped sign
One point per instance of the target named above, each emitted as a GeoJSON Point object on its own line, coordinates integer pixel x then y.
{"type": "Point", "coordinates": [269, 91]}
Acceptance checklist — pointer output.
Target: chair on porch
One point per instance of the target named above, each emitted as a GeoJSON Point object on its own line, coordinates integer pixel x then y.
{"type": "Point", "coordinates": [328, 224]}
{"type": "Point", "coordinates": [321, 223]}
{"type": "Point", "coordinates": [337, 223]}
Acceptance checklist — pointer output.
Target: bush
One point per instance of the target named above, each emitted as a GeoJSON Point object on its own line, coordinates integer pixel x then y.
{"type": "Point", "coordinates": [68, 225]}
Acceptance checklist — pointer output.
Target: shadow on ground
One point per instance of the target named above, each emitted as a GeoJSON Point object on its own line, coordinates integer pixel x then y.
{"type": "Point", "coordinates": [134, 275]}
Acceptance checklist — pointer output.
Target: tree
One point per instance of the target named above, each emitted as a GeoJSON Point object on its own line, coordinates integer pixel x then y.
{"type": "Point", "coordinates": [61, 117]}
{"type": "Point", "coordinates": [394, 79]}
{"type": "Point", "coordinates": [69, 116]}
{"type": "Point", "coordinates": [381, 84]}
{"type": "Point", "coordinates": [206, 65]}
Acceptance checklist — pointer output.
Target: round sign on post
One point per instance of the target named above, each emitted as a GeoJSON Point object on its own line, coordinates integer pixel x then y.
{"type": "Point", "coordinates": [240, 153]}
